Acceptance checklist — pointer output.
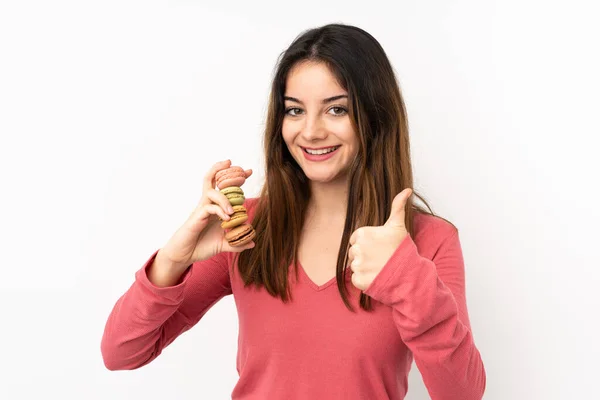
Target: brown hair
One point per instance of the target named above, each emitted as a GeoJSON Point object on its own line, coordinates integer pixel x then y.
{"type": "Point", "coordinates": [381, 170]}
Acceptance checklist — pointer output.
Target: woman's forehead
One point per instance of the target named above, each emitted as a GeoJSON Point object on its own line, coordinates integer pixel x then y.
{"type": "Point", "coordinates": [310, 81]}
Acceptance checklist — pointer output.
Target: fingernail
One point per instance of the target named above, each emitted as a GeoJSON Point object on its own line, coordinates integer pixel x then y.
{"type": "Point", "coordinates": [230, 209]}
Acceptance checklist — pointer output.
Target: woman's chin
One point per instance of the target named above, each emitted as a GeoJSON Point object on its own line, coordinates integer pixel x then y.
{"type": "Point", "coordinates": [323, 178]}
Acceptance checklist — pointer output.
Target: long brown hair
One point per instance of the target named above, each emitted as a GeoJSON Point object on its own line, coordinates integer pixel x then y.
{"type": "Point", "coordinates": [381, 170]}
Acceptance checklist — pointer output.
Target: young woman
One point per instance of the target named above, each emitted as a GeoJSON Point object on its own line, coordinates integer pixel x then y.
{"type": "Point", "coordinates": [341, 219]}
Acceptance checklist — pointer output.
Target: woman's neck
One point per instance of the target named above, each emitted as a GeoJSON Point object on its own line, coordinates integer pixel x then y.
{"type": "Point", "coordinates": [328, 201]}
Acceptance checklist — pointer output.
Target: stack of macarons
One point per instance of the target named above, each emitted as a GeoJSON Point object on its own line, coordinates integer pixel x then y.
{"type": "Point", "coordinates": [229, 182]}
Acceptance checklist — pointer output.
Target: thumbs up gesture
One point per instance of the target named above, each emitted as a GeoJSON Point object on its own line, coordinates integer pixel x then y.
{"type": "Point", "coordinates": [372, 246]}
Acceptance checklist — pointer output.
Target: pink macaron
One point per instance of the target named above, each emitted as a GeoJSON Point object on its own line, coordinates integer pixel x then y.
{"type": "Point", "coordinates": [232, 176]}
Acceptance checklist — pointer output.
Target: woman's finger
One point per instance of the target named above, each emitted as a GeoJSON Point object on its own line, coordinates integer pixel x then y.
{"type": "Point", "coordinates": [211, 209]}
{"type": "Point", "coordinates": [220, 199]}
{"type": "Point", "coordinates": [209, 178]}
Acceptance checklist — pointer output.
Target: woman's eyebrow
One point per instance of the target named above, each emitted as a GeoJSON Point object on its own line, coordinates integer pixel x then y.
{"type": "Point", "coordinates": [325, 101]}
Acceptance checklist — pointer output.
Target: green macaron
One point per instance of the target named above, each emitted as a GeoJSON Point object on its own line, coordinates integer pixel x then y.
{"type": "Point", "coordinates": [235, 195]}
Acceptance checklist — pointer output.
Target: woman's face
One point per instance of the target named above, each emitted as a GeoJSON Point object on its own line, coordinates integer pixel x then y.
{"type": "Point", "coordinates": [316, 117]}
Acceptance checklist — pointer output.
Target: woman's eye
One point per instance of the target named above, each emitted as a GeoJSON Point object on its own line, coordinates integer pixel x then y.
{"type": "Point", "coordinates": [287, 111]}
{"type": "Point", "coordinates": [339, 111]}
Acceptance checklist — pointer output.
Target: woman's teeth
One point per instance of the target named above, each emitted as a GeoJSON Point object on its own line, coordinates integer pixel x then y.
{"type": "Point", "coordinates": [322, 151]}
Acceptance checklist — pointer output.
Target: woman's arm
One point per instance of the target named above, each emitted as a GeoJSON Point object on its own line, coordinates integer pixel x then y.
{"type": "Point", "coordinates": [147, 318]}
{"type": "Point", "coordinates": [430, 311]}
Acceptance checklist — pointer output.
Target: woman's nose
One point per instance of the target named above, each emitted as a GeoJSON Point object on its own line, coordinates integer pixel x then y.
{"type": "Point", "coordinates": [313, 129]}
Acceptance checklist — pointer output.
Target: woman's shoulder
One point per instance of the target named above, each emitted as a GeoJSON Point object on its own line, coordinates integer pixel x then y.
{"type": "Point", "coordinates": [423, 222]}
{"type": "Point", "coordinates": [250, 204]}
{"type": "Point", "coordinates": [430, 228]}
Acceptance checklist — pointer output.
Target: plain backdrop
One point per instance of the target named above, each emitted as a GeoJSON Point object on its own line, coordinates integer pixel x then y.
{"type": "Point", "coordinates": [111, 113]}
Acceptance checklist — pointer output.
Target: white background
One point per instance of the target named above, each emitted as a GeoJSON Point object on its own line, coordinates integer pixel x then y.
{"type": "Point", "coordinates": [111, 112]}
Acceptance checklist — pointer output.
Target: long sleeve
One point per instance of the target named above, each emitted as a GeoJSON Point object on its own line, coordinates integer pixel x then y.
{"type": "Point", "coordinates": [430, 312]}
{"type": "Point", "coordinates": [147, 318]}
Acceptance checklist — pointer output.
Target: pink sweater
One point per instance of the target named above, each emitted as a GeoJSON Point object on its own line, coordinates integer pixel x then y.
{"type": "Point", "coordinates": [314, 347]}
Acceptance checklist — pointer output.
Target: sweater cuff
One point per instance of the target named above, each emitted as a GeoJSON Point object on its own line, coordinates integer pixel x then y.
{"type": "Point", "coordinates": [173, 293]}
{"type": "Point", "coordinates": [405, 253]}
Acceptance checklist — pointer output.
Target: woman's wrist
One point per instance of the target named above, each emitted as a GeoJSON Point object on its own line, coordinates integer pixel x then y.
{"type": "Point", "coordinates": [164, 273]}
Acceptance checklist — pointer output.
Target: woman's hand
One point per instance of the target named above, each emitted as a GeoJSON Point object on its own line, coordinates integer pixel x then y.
{"type": "Point", "coordinates": [201, 236]}
{"type": "Point", "coordinates": [372, 246]}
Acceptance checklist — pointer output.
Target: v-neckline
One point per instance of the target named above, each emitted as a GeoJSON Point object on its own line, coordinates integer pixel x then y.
{"type": "Point", "coordinates": [313, 285]}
